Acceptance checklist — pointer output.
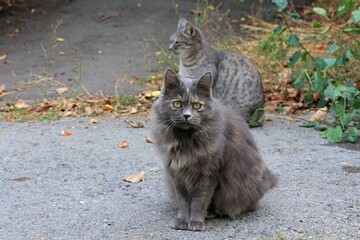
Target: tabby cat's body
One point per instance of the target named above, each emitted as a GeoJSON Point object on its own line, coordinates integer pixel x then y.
{"type": "Point", "coordinates": [212, 164]}
{"type": "Point", "coordinates": [236, 83]}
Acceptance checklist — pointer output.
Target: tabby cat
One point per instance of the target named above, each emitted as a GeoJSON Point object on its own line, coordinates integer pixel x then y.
{"type": "Point", "coordinates": [212, 164]}
{"type": "Point", "coordinates": [236, 83]}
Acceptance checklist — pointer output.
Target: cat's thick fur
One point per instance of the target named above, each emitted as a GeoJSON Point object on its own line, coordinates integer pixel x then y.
{"type": "Point", "coordinates": [236, 82]}
{"type": "Point", "coordinates": [212, 164]}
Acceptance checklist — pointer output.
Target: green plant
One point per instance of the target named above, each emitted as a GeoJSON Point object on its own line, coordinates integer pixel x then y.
{"type": "Point", "coordinates": [329, 78]}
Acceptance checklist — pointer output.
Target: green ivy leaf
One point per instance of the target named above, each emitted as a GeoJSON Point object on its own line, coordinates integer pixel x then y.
{"type": "Point", "coordinates": [355, 15]}
{"type": "Point", "coordinates": [298, 83]}
{"type": "Point", "coordinates": [334, 134]}
{"type": "Point", "coordinates": [280, 4]}
{"type": "Point", "coordinates": [321, 103]}
{"type": "Point", "coordinates": [346, 118]}
{"type": "Point", "coordinates": [337, 109]}
{"type": "Point", "coordinates": [332, 93]}
{"type": "Point", "coordinates": [325, 30]}
{"type": "Point", "coordinates": [329, 62]}
{"type": "Point", "coordinates": [318, 83]}
{"type": "Point", "coordinates": [331, 48]}
{"type": "Point", "coordinates": [317, 25]}
{"type": "Point", "coordinates": [320, 11]}
{"type": "Point", "coordinates": [344, 57]}
{"type": "Point", "coordinates": [324, 134]}
{"type": "Point", "coordinates": [352, 136]}
{"type": "Point", "coordinates": [294, 16]}
{"type": "Point", "coordinates": [319, 64]}
{"type": "Point", "coordinates": [293, 40]}
{"type": "Point", "coordinates": [348, 54]}
{"type": "Point", "coordinates": [278, 29]}
{"type": "Point", "coordinates": [352, 30]}
{"type": "Point", "coordinates": [294, 58]}
{"type": "Point", "coordinates": [310, 38]}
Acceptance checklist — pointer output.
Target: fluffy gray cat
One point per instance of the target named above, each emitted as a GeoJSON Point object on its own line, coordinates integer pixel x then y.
{"type": "Point", "coordinates": [212, 164]}
{"type": "Point", "coordinates": [236, 83]}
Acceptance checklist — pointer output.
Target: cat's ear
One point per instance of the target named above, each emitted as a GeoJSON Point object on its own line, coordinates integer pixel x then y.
{"type": "Point", "coordinates": [203, 86]}
{"type": "Point", "coordinates": [190, 29]}
{"type": "Point", "coordinates": [182, 22]}
{"type": "Point", "coordinates": [172, 82]}
{"type": "Point", "coordinates": [187, 27]}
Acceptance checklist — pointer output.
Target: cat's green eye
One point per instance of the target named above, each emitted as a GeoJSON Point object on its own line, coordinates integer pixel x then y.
{"type": "Point", "coordinates": [177, 104]}
{"type": "Point", "coordinates": [196, 105]}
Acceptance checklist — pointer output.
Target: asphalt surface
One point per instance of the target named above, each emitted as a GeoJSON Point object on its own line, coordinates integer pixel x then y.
{"type": "Point", "coordinates": [107, 47]}
{"type": "Point", "coordinates": [72, 187]}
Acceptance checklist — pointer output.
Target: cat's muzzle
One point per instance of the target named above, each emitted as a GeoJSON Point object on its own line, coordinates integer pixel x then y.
{"type": "Point", "coordinates": [173, 49]}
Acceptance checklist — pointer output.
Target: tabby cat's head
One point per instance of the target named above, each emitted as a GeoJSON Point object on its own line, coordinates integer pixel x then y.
{"type": "Point", "coordinates": [186, 39]}
{"type": "Point", "coordinates": [186, 103]}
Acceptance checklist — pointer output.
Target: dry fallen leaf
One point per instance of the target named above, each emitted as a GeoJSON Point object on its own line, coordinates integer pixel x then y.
{"type": "Point", "coordinates": [11, 35]}
{"type": "Point", "coordinates": [59, 39]}
{"type": "Point", "coordinates": [43, 107]}
{"type": "Point", "coordinates": [69, 113]}
{"type": "Point", "coordinates": [3, 57]}
{"type": "Point", "coordinates": [149, 140]}
{"type": "Point", "coordinates": [61, 53]}
{"type": "Point", "coordinates": [2, 89]}
{"type": "Point", "coordinates": [108, 107]}
{"type": "Point", "coordinates": [319, 115]}
{"type": "Point", "coordinates": [20, 104]}
{"type": "Point", "coordinates": [195, 12]}
{"type": "Point", "coordinates": [143, 100]}
{"type": "Point", "coordinates": [61, 90]}
{"type": "Point", "coordinates": [152, 94]}
{"type": "Point", "coordinates": [136, 178]}
{"type": "Point", "coordinates": [211, 8]}
{"type": "Point", "coordinates": [93, 120]}
{"type": "Point", "coordinates": [135, 124]}
{"type": "Point", "coordinates": [123, 144]}
{"type": "Point", "coordinates": [65, 134]}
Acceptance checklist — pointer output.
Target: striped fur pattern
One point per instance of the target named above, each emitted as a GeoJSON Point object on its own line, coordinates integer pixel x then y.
{"type": "Point", "coordinates": [236, 83]}
{"type": "Point", "coordinates": [212, 164]}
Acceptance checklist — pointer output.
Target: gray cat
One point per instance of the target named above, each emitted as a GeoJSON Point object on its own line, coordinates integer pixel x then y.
{"type": "Point", "coordinates": [236, 83]}
{"type": "Point", "coordinates": [212, 164]}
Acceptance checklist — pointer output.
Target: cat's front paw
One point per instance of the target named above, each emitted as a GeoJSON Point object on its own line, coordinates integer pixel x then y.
{"type": "Point", "coordinates": [179, 224]}
{"type": "Point", "coordinates": [197, 226]}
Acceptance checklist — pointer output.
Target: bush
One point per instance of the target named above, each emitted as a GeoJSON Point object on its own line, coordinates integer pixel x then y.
{"type": "Point", "coordinates": [331, 78]}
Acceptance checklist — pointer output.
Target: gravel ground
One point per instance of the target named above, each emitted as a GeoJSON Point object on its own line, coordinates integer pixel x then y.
{"type": "Point", "coordinates": [72, 187]}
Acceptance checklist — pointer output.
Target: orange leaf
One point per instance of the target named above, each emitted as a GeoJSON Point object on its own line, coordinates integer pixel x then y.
{"type": "Point", "coordinates": [319, 115]}
{"type": "Point", "coordinates": [195, 12]}
{"type": "Point", "coordinates": [59, 39]}
{"type": "Point", "coordinates": [135, 124]}
{"type": "Point", "coordinates": [65, 134]}
{"type": "Point", "coordinates": [61, 90]}
{"type": "Point", "coordinates": [69, 113]}
{"type": "Point", "coordinates": [123, 144]}
{"type": "Point", "coordinates": [93, 120]}
{"type": "Point", "coordinates": [2, 89]}
{"type": "Point", "coordinates": [3, 57]}
{"type": "Point", "coordinates": [149, 140]}
{"type": "Point", "coordinates": [108, 107]}
{"type": "Point", "coordinates": [136, 178]}
{"type": "Point", "coordinates": [20, 104]}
